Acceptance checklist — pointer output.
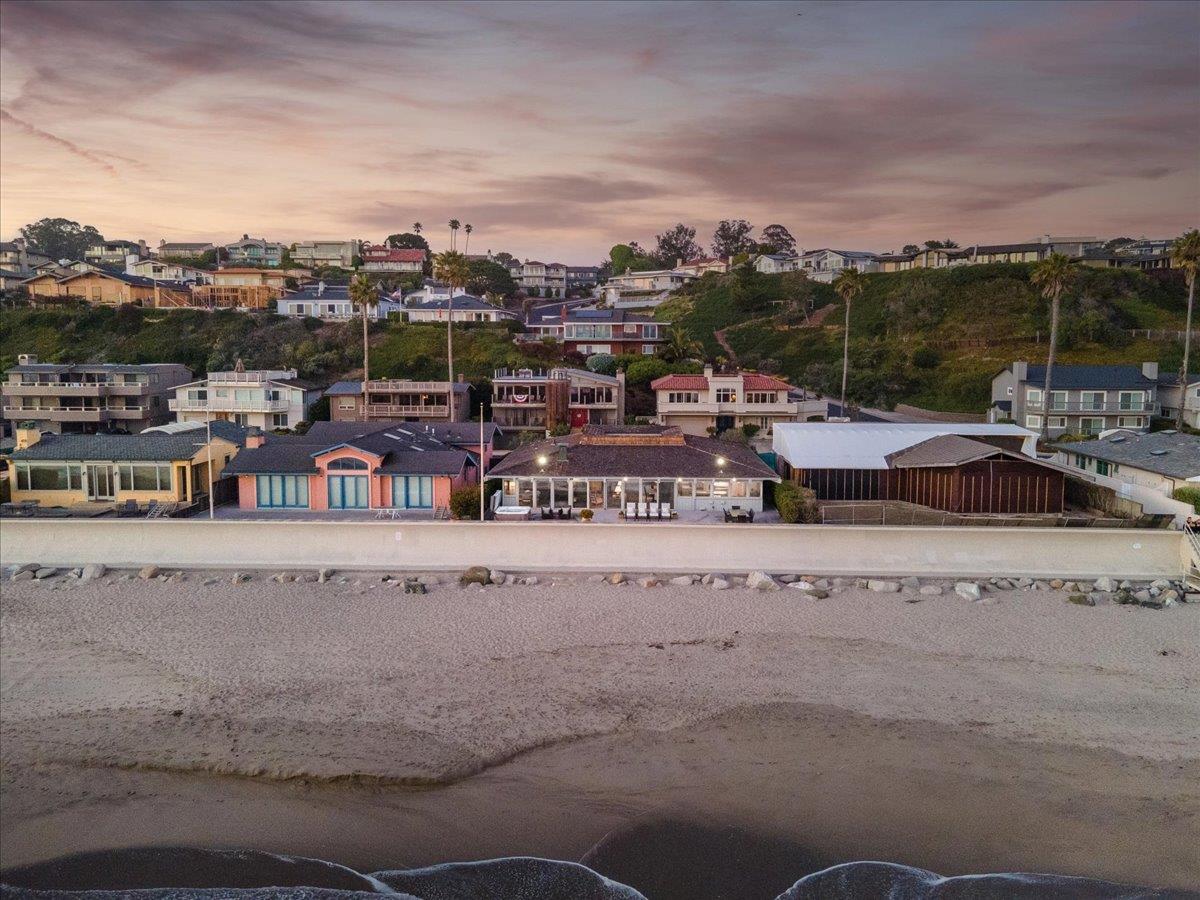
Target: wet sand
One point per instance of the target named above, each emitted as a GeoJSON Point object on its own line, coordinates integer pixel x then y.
{"type": "Point", "coordinates": [1026, 734]}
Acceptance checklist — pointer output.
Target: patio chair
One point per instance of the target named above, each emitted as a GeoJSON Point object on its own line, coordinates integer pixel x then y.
{"type": "Point", "coordinates": [654, 510]}
{"type": "Point", "coordinates": [546, 512]}
{"type": "Point", "coordinates": [564, 513]}
{"type": "Point", "coordinates": [728, 515]}
{"type": "Point", "coordinates": [750, 515]}
{"type": "Point", "coordinates": [643, 511]}
{"type": "Point", "coordinates": [631, 511]}
{"type": "Point", "coordinates": [665, 511]}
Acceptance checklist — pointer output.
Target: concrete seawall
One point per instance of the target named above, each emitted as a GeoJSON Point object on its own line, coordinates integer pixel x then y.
{"type": "Point", "coordinates": [546, 546]}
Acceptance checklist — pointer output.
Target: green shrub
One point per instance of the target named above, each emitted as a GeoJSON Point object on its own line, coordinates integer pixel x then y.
{"type": "Point", "coordinates": [795, 503]}
{"type": "Point", "coordinates": [750, 429]}
{"type": "Point", "coordinates": [926, 358]}
{"type": "Point", "coordinates": [464, 503]}
{"type": "Point", "coordinates": [1188, 495]}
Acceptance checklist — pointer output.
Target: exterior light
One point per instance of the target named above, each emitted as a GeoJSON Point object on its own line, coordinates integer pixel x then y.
{"type": "Point", "coordinates": [542, 460]}
{"type": "Point", "coordinates": [721, 462]}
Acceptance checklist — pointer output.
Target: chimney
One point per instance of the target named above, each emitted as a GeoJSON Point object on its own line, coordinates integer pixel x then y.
{"type": "Point", "coordinates": [708, 371]}
{"type": "Point", "coordinates": [1020, 371]}
{"type": "Point", "coordinates": [143, 250]}
{"type": "Point", "coordinates": [461, 377]}
{"type": "Point", "coordinates": [254, 438]}
{"type": "Point", "coordinates": [130, 260]}
{"type": "Point", "coordinates": [1150, 370]}
{"type": "Point", "coordinates": [26, 436]}
{"type": "Point", "coordinates": [27, 359]}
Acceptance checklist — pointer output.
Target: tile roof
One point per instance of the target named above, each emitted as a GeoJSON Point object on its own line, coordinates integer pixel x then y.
{"type": "Point", "coordinates": [153, 447]}
{"type": "Point", "coordinates": [401, 448]}
{"type": "Point", "coordinates": [751, 381]}
{"type": "Point", "coordinates": [1068, 378]}
{"type": "Point", "coordinates": [1169, 453]}
{"type": "Point", "coordinates": [379, 253]}
{"type": "Point", "coordinates": [635, 452]}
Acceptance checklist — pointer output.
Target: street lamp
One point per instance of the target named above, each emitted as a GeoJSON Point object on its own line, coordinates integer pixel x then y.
{"type": "Point", "coordinates": [720, 462]}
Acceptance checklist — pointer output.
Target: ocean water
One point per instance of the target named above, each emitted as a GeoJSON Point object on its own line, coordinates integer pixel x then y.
{"type": "Point", "coordinates": [162, 873]}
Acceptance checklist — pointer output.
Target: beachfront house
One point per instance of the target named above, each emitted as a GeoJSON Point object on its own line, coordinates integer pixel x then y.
{"type": "Point", "coordinates": [263, 399]}
{"type": "Point", "coordinates": [564, 397]}
{"type": "Point", "coordinates": [399, 400]}
{"type": "Point", "coordinates": [716, 402]}
{"type": "Point", "coordinates": [396, 468]}
{"type": "Point", "coordinates": [1161, 461]}
{"type": "Point", "coordinates": [1086, 399]}
{"type": "Point", "coordinates": [608, 467]}
{"type": "Point", "coordinates": [1171, 395]}
{"type": "Point", "coordinates": [954, 467]}
{"type": "Point", "coordinates": [71, 469]}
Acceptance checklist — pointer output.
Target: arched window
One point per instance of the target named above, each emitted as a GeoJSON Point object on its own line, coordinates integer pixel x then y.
{"type": "Point", "coordinates": [347, 463]}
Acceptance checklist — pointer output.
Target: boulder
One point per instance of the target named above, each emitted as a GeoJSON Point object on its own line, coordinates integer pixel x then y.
{"type": "Point", "coordinates": [930, 590]}
{"type": "Point", "coordinates": [45, 572]}
{"type": "Point", "coordinates": [616, 578]}
{"type": "Point", "coordinates": [148, 572]}
{"type": "Point", "coordinates": [648, 581]}
{"type": "Point", "coordinates": [789, 578]}
{"type": "Point", "coordinates": [883, 587]}
{"type": "Point", "coordinates": [23, 575]}
{"type": "Point", "coordinates": [324, 575]}
{"type": "Point", "coordinates": [1154, 604]}
{"type": "Point", "coordinates": [1161, 583]}
{"type": "Point", "coordinates": [1024, 582]}
{"type": "Point", "coordinates": [1170, 594]}
{"type": "Point", "coordinates": [719, 584]}
{"type": "Point", "coordinates": [239, 578]}
{"type": "Point", "coordinates": [1002, 584]}
{"type": "Point", "coordinates": [968, 590]}
{"type": "Point", "coordinates": [911, 581]}
{"type": "Point", "coordinates": [93, 571]}
{"type": "Point", "coordinates": [529, 580]}
{"type": "Point", "coordinates": [821, 584]}
{"type": "Point", "coordinates": [1099, 598]}
{"type": "Point", "coordinates": [761, 581]}
{"type": "Point", "coordinates": [1141, 596]}
{"type": "Point", "coordinates": [509, 580]}
{"type": "Point", "coordinates": [815, 593]}
{"type": "Point", "coordinates": [24, 567]}
{"type": "Point", "coordinates": [1081, 600]}
{"type": "Point", "coordinates": [1191, 597]}
{"type": "Point", "coordinates": [284, 577]}
{"type": "Point", "coordinates": [683, 580]}
{"type": "Point", "coordinates": [475, 575]}
{"type": "Point", "coordinates": [595, 579]}
{"type": "Point", "coordinates": [1104, 583]}
{"type": "Point", "coordinates": [497, 576]}
{"type": "Point", "coordinates": [1057, 584]}
{"type": "Point", "coordinates": [1041, 586]}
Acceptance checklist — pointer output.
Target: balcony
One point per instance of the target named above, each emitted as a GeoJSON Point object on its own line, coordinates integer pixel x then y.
{"type": "Point", "coordinates": [711, 408]}
{"type": "Point", "coordinates": [1080, 407]}
{"type": "Point", "coordinates": [56, 413]}
{"type": "Point", "coordinates": [57, 388]}
{"type": "Point", "coordinates": [398, 410]}
{"type": "Point", "coordinates": [224, 404]}
{"type": "Point", "coordinates": [408, 387]}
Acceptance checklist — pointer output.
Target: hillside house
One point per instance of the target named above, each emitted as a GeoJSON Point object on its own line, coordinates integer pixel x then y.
{"type": "Point", "coordinates": [331, 302]}
{"type": "Point", "coordinates": [528, 399]}
{"type": "Point", "coordinates": [1086, 399]}
{"type": "Point", "coordinates": [399, 400]}
{"type": "Point", "coordinates": [321, 254]}
{"type": "Point", "coordinates": [260, 399]}
{"type": "Point", "coordinates": [382, 258]}
{"type": "Point", "coordinates": [254, 253]}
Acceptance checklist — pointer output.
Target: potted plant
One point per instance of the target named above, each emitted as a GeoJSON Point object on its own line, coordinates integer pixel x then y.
{"type": "Point", "coordinates": [585, 515]}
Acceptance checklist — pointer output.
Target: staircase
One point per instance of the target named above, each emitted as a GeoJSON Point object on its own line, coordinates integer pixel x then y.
{"type": "Point", "coordinates": [167, 297]}
{"type": "Point", "coordinates": [1191, 576]}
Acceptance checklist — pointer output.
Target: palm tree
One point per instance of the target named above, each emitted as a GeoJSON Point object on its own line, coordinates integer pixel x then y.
{"type": "Point", "coordinates": [849, 284]}
{"type": "Point", "coordinates": [1053, 275]}
{"type": "Point", "coordinates": [1185, 255]}
{"type": "Point", "coordinates": [454, 226]}
{"type": "Point", "coordinates": [452, 268]}
{"type": "Point", "coordinates": [364, 294]}
{"type": "Point", "coordinates": [416, 227]}
{"type": "Point", "coordinates": [468, 228]}
{"type": "Point", "coordinates": [681, 345]}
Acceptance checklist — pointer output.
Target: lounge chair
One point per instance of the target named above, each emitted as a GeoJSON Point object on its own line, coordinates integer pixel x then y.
{"type": "Point", "coordinates": [130, 508]}
{"type": "Point", "coordinates": [631, 511]}
{"type": "Point", "coordinates": [546, 512]}
{"type": "Point", "coordinates": [564, 513]}
{"type": "Point", "coordinates": [728, 516]}
{"type": "Point", "coordinates": [665, 511]}
{"type": "Point", "coordinates": [643, 511]}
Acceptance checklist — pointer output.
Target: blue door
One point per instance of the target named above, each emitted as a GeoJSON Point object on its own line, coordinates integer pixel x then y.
{"type": "Point", "coordinates": [347, 491]}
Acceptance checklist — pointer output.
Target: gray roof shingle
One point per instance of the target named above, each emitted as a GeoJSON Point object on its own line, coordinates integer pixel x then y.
{"type": "Point", "coordinates": [1069, 378]}
{"type": "Point", "coordinates": [153, 447]}
{"type": "Point", "coordinates": [1169, 453]}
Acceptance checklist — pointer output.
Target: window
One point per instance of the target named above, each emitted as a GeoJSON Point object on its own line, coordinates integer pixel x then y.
{"type": "Point", "coordinates": [1091, 425]}
{"type": "Point", "coordinates": [737, 489]}
{"type": "Point", "coordinates": [1058, 421]}
{"type": "Point", "coordinates": [346, 462]}
{"type": "Point", "coordinates": [1133, 400]}
{"type": "Point", "coordinates": [416, 491]}
{"type": "Point", "coordinates": [1092, 400]}
{"type": "Point", "coordinates": [760, 397]}
{"type": "Point", "coordinates": [241, 419]}
{"type": "Point", "coordinates": [1058, 399]}
{"type": "Point", "coordinates": [282, 491]}
{"type": "Point", "coordinates": [198, 396]}
{"type": "Point", "coordinates": [683, 488]}
{"type": "Point", "coordinates": [49, 477]}
{"type": "Point", "coordinates": [1081, 461]}
{"type": "Point", "coordinates": [726, 395]}
{"type": "Point", "coordinates": [1101, 467]}
{"type": "Point", "coordinates": [647, 349]}
{"type": "Point", "coordinates": [630, 328]}
{"type": "Point", "coordinates": [142, 477]}
{"type": "Point", "coordinates": [1131, 422]}
{"type": "Point", "coordinates": [1034, 422]}
{"type": "Point", "coordinates": [650, 331]}
{"type": "Point", "coordinates": [683, 396]}
{"type": "Point", "coordinates": [755, 488]}
{"type": "Point", "coordinates": [720, 488]}
{"type": "Point", "coordinates": [345, 403]}
{"type": "Point", "coordinates": [703, 488]}
{"type": "Point", "coordinates": [1033, 397]}
{"type": "Point", "coordinates": [279, 420]}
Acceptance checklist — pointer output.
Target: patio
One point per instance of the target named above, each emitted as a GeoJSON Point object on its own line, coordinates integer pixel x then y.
{"type": "Point", "coordinates": [687, 517]}
{"type": "Point", "coordinates": [235, 513]}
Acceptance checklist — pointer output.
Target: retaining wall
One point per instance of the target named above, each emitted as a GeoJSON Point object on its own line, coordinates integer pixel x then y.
{"type": "Point", "coordinates": [574, 546]}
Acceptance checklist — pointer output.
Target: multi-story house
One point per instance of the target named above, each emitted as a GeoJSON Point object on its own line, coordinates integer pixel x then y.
{"type": "Point", "coordinates": [582, 277]}
{"type": "Point", "coordinates": [653, 281]}
{"type": "Point", "coordinates": [539, 278]}
{"type": "Point", "coordinates": [114, 253]}
{"type": "Point", "coordinates": [382, 258]}
{"type": "Point", "coordinates": [716, 402]}
{"type": "Point", "coordinates": [825, 265]}
{"type": "Point", "coordinates": [184, 250]}
{"type": "Point", "coordinates": [319, 254]}
{"type": "Point", "coordinates": [332, 302]}
{"type": "Point", "coordinates": [160, 270]}
{"type": "Point", "coordinates": [431, 290]}
{"type": "Point", "coordinates": [254, 252]}
{"type": "Point", "coordinates": [1144, 255]}
{"type": "Point", "coordinates": [614, 331]}
{"type": "Point", "coordinates": [399, 400]}
{"type": "Point", "coordinates": [702, 266]}
{"type": "Point", "coordinates": [774, 263]}
{"type": "Point", "coordinates": [562, 397]}
{"type": "Point", "coordinates": [96, 285]}
{"type": "Point", "coordinates": [84, 398]}
{"type": "Point", "coordinates": [17, 256]}
{"type": "Point", "coordinates": [1169, 393]}
{"type": "Point", "coordinates": [1085, 399]}
{"type": "Point", "coordinates": [264, 399]}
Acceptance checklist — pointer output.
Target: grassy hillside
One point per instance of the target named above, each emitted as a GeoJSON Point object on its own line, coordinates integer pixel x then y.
{"type": "Point", "coordinates": [932, 338]}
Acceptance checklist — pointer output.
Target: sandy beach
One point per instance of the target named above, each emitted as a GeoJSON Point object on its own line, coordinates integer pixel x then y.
{"type": "Point", "coordinates": [377, 728]}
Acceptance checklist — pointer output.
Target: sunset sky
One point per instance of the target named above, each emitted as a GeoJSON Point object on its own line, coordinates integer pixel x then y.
{"type": "Point", "coordinates": [560, 129]}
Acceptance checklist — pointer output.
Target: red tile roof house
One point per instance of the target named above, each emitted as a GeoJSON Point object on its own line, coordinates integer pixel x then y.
{"type": "Point", "coordinates": [381, 258]}
{"type": "Point", "coordinates": [697, 403]}
{"type": "Point", "coordinates": [388, 467]}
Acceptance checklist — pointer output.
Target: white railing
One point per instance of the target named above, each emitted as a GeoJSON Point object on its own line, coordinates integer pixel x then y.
{"type": "Point", "coordinates": [219, 404]}
{"type": "Point", "coordinates": [395, 409]}
{"type": "Point", "coordinates": [433, 387]}
{"type": "Point", "coordinates": [258, 377]}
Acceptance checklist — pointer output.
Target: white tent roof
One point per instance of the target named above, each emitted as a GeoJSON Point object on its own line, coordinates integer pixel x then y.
{"type": "Point", "coordinates": [864, 445]}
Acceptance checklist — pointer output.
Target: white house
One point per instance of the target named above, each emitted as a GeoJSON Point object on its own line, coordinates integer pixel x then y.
{"type": "Point", "coordinates": [315, 254]}
{"type": "Point", "coordinates": [1168, 398]}
{"type": "Point", "coordinates": [382, 258]}
{"type": "Point", "coordinates": [465, 308]}
{"type": "Point", "coordinates": [266, 399]}
{"type": "Point", "coordinates": [332, 302]}
{"type": "Point", "coordinates": [431, 291]}
{"type": "Point", "coordinates": [825, 265]}
{"type": "Point", "coordinates": [774, 263]}
{"type": "Point", "coordinates": [158, 270]}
